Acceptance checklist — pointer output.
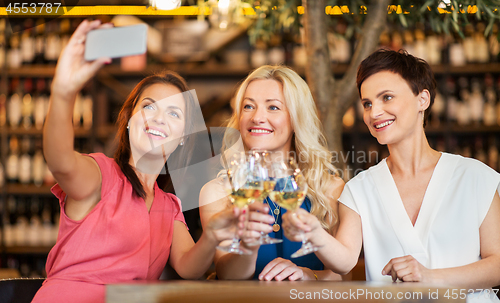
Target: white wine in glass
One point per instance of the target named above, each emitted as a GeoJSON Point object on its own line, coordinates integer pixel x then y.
{"type": "Point", "coordinates": [289, 193]}
{"type": "Point", "coordinates": [244, 187]}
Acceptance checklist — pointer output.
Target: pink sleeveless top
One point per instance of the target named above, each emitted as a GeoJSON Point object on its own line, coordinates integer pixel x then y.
{"type": "Point", "coordinates": [117, 241]}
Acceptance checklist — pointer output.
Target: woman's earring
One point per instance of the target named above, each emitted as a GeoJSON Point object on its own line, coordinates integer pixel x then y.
{"type": "Point", "coordinates": [128, 127]}
{"type": "Point", "coordinates": [182, 143]}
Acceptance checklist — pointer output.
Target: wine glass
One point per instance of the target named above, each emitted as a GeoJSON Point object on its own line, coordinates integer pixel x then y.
{"type": "Point", "coordinates": [289, 192]}
{"type": "Point", "coordinates": [268, 186]}
{"type": "Point", "coordinates": [244, 184]}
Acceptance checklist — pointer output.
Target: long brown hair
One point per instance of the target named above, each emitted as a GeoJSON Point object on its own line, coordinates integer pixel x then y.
{"type": "Point", "coordinates": [180, 157]}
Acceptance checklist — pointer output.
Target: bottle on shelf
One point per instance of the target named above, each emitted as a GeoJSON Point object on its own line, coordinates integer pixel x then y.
{"type": "Point", "coordinates": [38, 168]}
{"type": "Point", "coordinates": [2, 47]}
{"type": "Point", "coordinates": [463, 112]}
{"type": "Point", "coordinates": [3, 110]}
{"type": "Point", "coordinates": [40, 41]}
{"type": "Point", "coordinates": [493, 153]}
{"type": "Point", "coordinates": [12, 165]}
{"type": "Point", "coordinates": [40, 105]}
{"type": "Point", "coordinates": [457, 56]}
{"type": "Point", "coordinates": [27, 107]}
{"type": "Point", "coordinates": [53, 41]}
{"type": "Point", "coordinates": [14, 56]}
{"type": "Point", "coordinates": [490, 95]}
{"type": "Point", "coordinates": [2, 179]}
{"type": "Point", "coordinates": [481, 45]}
{"type": "Point", "coordinates": [480, 153]}
{"type": "Point", "coordinates": [87, 112]}
{"type": "Point", "coordinates": [468, 43]}
{"type": "Point", "coordinates": [25, 162]}
{"type": "Point", "coordinates": [28, 42]}
{"type": "Point", "coordinates": [493, 44]}
{"type": "Point", "coordinates": [476, 102]}
{"type": "Point", "coordinates": [14, 106]}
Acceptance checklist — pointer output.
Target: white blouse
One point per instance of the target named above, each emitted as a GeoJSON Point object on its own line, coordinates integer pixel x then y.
{"type": "Point", "coordinates": [446, 232]}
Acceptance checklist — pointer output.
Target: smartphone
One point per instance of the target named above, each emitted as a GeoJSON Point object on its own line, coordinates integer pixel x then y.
{"type": "Point", "coordinates": [116, 42]}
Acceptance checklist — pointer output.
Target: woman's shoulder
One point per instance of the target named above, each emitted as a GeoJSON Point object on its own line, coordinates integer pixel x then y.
{"type": "Point", "coordinates": [470, 166]}
{"type": "Point", "coordinates": [212, 191]}
{"type": "Point", "coordinates": [335, 186]}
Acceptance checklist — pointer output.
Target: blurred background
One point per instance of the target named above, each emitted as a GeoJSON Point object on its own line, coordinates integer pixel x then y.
{"type": "Point", "coordinates": [214, 45]}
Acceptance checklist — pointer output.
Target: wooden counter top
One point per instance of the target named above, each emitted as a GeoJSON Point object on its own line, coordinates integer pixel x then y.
{"type": "Point", "coordinates": [276, 292]}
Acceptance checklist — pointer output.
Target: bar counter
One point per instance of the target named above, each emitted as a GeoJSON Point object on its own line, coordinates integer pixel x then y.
{"type": "Point", "coordinates": [276, 292]}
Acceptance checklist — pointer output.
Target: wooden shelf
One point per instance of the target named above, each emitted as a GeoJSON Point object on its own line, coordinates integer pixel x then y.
{"type": "Point", "coordinates": [101, 132]}
{"type": "Point", "coordinates": [432, 130]}
{"type": "Point", "coordinates": [221, 70]}
{"type": "Point", "coordinates": [27, 249]}
{"type": "Point", "coordinates": [27, 189]}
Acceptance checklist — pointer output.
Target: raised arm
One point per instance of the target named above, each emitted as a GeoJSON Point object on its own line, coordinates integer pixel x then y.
{"type": "Point", "coordinates": [78, 176]}
{"type": "Point", "coordinates": [340, 253]}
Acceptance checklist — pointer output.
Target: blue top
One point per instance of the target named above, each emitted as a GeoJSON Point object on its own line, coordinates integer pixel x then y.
{"type": "Point", "coordinates": [269, 252]}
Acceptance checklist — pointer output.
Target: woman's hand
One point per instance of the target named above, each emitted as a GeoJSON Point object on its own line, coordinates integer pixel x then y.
{"type": "Point", "coordinates": [72, 71]}
{"type": "Point", "coordinates": [302, 223]}
{"type": "Point", "coordinates": [407, 269]}
{"type": "Point", "coordinates": [280, 269]}
{"type": "Point", "coordinates": [223, 225]}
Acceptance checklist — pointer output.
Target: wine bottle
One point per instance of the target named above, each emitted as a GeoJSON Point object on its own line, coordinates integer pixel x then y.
{"type": "Point", "coordinates": [25, 162]}
{"type": "Point", "coordinates": [12, 165]}
{"type": "Point", "coordinates": [14, 56]}
{"type": "Point", "coordinates": [40, 41]}
{"type": "Point", "coordinates": [27, 107]}
{"type": "Point", "coordinates": [3, 110]}
{"type": "Point", "coordinates": [490, 115]}
{"type": "Point", "coordinates": [28, 42]}
{"type": "Point", "coordinates": [38, 168]}
{"type": "Point", "coordinates": [481, 45]}
{"type": "Point", "coordinates": [476, 102]}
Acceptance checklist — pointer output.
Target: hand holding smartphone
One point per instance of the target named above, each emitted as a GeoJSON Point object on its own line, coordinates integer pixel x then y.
{"type": "Point", "coordinates": [116, 42]}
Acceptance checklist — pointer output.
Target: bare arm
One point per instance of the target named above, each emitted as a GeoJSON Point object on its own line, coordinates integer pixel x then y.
{"type": "Point", "coordinates": [191, 260]}
{"type": "Point", "coordinates": [229, 266]}
{"type": "Point", "coordinates": [340, 253]}
{"type": "Point", "coordinates": [78, 176]}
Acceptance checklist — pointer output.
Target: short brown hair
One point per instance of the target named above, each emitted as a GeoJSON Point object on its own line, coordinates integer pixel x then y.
{"type": "Point", "coordinates": [415, 71]}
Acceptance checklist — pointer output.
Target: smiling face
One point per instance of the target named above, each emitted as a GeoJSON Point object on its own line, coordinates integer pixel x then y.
{"type": "Point", "coordinates": [158, 121]}
{"type": "Point", "coordinates": [264, 119]}
{"type": "Point", "coordinates": [391, 111]}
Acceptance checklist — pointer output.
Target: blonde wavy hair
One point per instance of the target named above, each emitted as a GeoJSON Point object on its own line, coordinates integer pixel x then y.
{"type": "Point", "coordinates": [309, 144]}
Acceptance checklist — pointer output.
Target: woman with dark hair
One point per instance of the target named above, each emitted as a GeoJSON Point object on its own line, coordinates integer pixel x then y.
{"type": "Point", "coordinates": [421, 215]}
{"type": "Point", "coordinates": [116, 224]}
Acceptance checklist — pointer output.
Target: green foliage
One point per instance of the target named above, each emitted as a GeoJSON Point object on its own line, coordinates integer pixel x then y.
{"type": "Point", "coordinates": [280, 16]}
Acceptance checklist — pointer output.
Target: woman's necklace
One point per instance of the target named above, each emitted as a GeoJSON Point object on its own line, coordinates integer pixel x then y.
{"type": "Point", "coordinates": [275, 213]}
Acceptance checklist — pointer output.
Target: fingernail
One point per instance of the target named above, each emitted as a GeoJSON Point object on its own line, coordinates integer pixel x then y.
{"type": "Point", "coordinates": [383, 273]}
{"type": "Point", "coordinates": [278, 277]}
{"type": "Point", "coordinates": [268, 278]}
{"type": "Point", "coordinates": [260, 277]}
{"type": "Point", "coordinates": [244, 211]}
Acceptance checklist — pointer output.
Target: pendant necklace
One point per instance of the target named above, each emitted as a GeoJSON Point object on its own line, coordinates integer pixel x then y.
{"type": "Point", "coordinates": [275, 213]}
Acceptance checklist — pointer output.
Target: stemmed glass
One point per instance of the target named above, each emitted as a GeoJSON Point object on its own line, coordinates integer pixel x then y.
{"type": "Point", "coordinates": [268, 186]}
{"type": "Point", "coordinates": [244, 184]}
{"type": "Point", "coordinates": [289, 193]}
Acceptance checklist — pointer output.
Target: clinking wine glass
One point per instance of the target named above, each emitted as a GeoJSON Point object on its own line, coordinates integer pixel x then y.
{"type": "Point", "coordinates": [265, 160]}
{"type": "Point", "coordinates": [289, 193]}
{"type": "Point", "coordinates": [244, 186]}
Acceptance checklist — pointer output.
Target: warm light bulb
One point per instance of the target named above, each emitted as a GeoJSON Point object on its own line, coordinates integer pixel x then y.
{"type": "Point", "coordinates": [223, 6]}
{"type": "Point", "coordinates": [165, 4]}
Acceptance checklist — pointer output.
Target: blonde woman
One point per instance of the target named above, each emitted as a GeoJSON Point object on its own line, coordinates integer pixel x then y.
{"type": "Point", "coordinates": [275, 111]}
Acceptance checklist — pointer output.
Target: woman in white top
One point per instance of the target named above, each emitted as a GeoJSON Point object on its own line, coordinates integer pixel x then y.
{"type": "Point", "coordinates": [421, 215]}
